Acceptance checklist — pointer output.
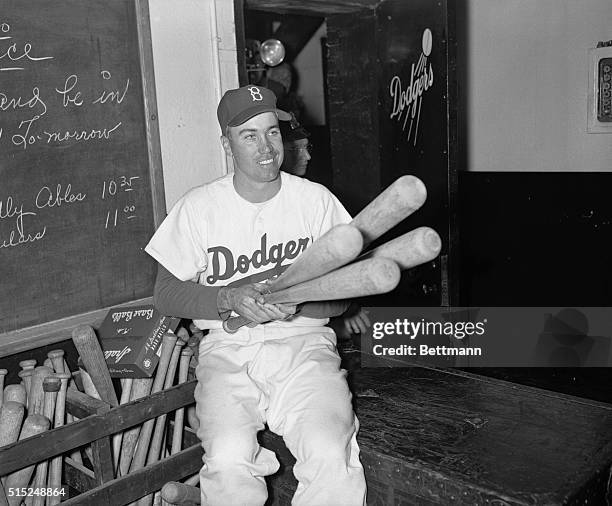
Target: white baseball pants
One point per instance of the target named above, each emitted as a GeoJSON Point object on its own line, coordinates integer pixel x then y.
{"type": "Point", "coordinates": [289, 378]}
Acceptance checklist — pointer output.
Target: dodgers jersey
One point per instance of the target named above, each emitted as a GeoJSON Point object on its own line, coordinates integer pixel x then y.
{"type": "Point", "coordinates": [214, 237]}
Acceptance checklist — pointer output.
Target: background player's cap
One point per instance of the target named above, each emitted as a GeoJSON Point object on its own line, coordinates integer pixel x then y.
{"type": "Point", "coordinates": [292, 130]}
{"type": "Point", "coordinates": [241, 104]}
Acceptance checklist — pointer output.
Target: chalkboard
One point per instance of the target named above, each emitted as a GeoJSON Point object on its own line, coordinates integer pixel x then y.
{"type": "Point", "coordinates": [81, 189]}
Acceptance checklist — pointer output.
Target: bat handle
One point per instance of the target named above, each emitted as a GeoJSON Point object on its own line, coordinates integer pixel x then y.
{"type": "Point", "coordinates": [231, 325]}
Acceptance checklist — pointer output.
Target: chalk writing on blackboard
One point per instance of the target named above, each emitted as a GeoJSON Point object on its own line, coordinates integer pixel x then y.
{"type": "Point", "coordinates": [19, 234]}
{"type": "Point", "coordinates": [46, 198]}
{"type": "Point", "coordinates": [63, 195]}
{"type": "Point", "coordinates": [116, 95]}
{"type": "Point", "coordinates": [28, 134]}
{"type": "Point", "coordinates": [16, 51]}
{"type": "Point", "coordinates": [24, 221]}
{"type": "Point", "coordinates": [109, 190]}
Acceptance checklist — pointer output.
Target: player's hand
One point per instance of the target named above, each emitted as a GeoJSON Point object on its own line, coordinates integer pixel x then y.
{"type": "Point", "coordinates": [248, 301]}
{"type": "Point", "coordinates": [357, 323]}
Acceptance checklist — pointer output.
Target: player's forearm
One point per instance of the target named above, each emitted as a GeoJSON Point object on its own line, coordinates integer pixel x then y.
{"type": "Point", "coordinates": [184, 299]}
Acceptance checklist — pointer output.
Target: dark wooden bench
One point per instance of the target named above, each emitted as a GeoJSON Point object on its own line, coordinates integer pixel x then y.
{"type": "Point", "coordinates": [433, 436]}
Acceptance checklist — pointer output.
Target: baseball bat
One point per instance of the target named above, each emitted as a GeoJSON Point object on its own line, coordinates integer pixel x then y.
{"type": "Point", "coordinates": [27, 364]}
{"type": "Point", "coordinates": [57, 359]}
{"type": "Point", "coordinates": [11, 416]}
{"type": "Point", "coordinates": [366, 277]}
{"type": "Point", "coordinates": [90, 389]}
{"type": "Point", "coordinates": [142, 448]}
{"type": "Point", "coordinates": [3, 498]}
{"type": "Point", "coordinates": [126, 390]}
{"type": "Point", "coordinates": [51, 386]}
{"type": "Point", "coordinates": [410, 249]}
{"type": "Point", "coordinates": [89, 349]}
{"type": "Point", "coordinates": [192, 418]}
{"type": "Point", "coordinates": [3, 373]}
{"type": "Point", "coordinates": [175, 492]}
{"type": "Point", "coordinates": [76, 454]}
{"type": "Point", "coordinates": [335, 248]}
{"type": "Point", "coordinates": [88, 384]}
{"type": "Point", "coordinates": [36, 400]}
{"type": "Point", "coordinates": [179, 416]}
{"type": "Point", "coordinates": [55, 470]}
{"type": "Point", "coordinates": [402, 198]}
{"type": "Point", "coordinates": [27, 369]}
{"type": "Point", "coordinates": [15, 393]}
{"type": "Point", "coordinates": [33, 424]}
{"type": "Point", "coordinates": [26, 380]}
{"type": "Point", "coordinates": [160, 421]}
{"type": "Point", "coordinates": [193, 480]}
{"type": "Point", "coordinates": [141, 387]}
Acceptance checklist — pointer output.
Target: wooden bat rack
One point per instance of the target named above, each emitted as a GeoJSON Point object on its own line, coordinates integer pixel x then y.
{"type": "Point", "coordinates": [98, 422]}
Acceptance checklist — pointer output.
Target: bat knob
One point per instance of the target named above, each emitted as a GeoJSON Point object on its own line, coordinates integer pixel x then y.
{"type": "Point", "coordinates": [227, 328]}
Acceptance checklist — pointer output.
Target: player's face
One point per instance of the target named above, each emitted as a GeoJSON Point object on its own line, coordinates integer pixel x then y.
{"type": "Point", "coordinates": [257, 148]}
{"type": "Point", "coordinates": [296, 157]}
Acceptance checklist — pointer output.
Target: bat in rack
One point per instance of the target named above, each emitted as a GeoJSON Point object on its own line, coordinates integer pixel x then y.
{"type": "Point", "coordinates": [88, 346]}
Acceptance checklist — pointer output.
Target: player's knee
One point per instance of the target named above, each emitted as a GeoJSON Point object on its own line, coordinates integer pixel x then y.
{"type": "Point", "coordinates": [231, 449]}
{"type": "Point", "coordinates": [330, 448]}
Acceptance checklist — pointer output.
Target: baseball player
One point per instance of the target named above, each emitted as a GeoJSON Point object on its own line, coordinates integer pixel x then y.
{"type": "Point", "coordinates": [217, 246]}
{"type": "Point", "coordinates": [297, 147]}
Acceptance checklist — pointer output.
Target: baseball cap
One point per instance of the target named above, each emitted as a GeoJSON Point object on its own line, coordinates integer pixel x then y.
{"type": "Point", "coordinates": [292, 130]}
{"type": "Point", "coordinates": [241, 104]}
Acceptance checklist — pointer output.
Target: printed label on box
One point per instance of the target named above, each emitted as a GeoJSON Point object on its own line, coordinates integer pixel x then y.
{"type": "Point", "coordinates": [131, 340]}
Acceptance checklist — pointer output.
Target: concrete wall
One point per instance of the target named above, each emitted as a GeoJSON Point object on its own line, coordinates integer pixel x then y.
{"type": "Point", "coordinates": [194, 59]}
{"type": "Point", "coordinates": [527, 81]}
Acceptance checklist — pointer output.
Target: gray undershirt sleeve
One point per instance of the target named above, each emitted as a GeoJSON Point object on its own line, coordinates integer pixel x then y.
{"type": "Point", "coordinates": [186, 299]}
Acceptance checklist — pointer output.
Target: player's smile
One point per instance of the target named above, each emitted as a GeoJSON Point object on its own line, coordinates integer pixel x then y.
{"type": "Point", "coordinates": [256, 147]}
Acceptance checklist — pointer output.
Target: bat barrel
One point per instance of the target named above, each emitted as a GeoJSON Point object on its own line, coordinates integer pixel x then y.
{"type": "Point", "coordinates": [179, 493]}
{"type": "Point", "coordinates": [410, 249]}
{"type": "Point", "coordinates": [367, 277]}
{"type": "Point", "coordinates": [402, 198]}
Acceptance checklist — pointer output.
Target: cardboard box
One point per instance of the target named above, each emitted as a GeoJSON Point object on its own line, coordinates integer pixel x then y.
{"type": "Point", "coordinates": [131, 339]}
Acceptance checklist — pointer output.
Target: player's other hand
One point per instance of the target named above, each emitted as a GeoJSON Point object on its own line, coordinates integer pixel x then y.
{"type": "Point", "coordinates": [248, 301]}
{"type": "Point", "coordinates": [357, 323]}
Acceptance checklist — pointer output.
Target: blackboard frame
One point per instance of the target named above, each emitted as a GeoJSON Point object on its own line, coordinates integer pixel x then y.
{"type": "Point", "coordinates": [35, 336]}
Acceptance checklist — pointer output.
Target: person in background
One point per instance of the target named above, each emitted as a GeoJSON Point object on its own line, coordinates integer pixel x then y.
{"type": "Point", "coordinates": [297, 146]}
